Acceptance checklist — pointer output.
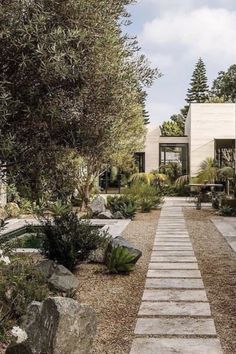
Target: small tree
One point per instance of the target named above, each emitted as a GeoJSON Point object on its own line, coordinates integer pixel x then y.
{"type": "Point", "coordinates": [224, 86]}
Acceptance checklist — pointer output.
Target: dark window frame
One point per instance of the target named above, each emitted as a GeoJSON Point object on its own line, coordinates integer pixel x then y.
{"type": "Point", "coordinates": [139, 158]}
{"type": "Point", "coordinates": [174, 145]}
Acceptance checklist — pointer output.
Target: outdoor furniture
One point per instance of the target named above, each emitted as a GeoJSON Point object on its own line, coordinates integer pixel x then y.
{"type": "Point", "coordinates": [202, 189]}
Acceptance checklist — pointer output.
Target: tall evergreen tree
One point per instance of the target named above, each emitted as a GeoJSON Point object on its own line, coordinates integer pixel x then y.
{"type": "Point", "coordinates": [198, 91]}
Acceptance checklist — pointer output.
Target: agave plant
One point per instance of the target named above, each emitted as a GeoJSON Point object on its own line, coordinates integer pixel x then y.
{"type": "Point", "coordinates": [120, 260]}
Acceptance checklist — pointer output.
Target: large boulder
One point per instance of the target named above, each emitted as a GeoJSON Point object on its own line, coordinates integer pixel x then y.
{"type": "Point", "coordinates": [57, 325]}
{"type": "Point", "coordinates": [121, 242]}
{"type": "Point", "coordinates": [97, 205]}
{"type": "Point", "coordinates": [63, 280]}
{"type": "Point", "coordinates": [105, 215]}
{"type": "Point", "coordinates": [58, 276]}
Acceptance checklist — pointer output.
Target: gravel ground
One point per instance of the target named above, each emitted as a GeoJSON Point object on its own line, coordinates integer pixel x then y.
{"type": "Point", "coordinates": [116, 298]}
{"type": "Point", "coordinates": [217, 262]}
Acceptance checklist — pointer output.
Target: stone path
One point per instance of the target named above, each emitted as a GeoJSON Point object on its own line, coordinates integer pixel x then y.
{"type": "Point", "coordinates": [174, 316]}
{"type": "Point", "coordinates": [227, 227]}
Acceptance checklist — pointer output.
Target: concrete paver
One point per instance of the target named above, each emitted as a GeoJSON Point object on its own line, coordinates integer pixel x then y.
{"type": "Point", "coordinates": [174, 301]}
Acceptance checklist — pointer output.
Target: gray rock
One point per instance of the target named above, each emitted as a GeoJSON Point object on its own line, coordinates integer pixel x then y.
{"type": "Point", "coordinates": [63, 280]}
{"type": "Point", "coordinates": [105, 215]}
{"type": "Point", "coordinates": [118, 215]}
{"type": "Point", "coordinates": [97, 206]}
{"type": "Point", "coordinates": [58, 276]}
{"type": "Point", "coordinates": [46, 267]}
{"type": "Point", "coordinates": [121, 242]}
{"type": "Point", "coordinates": [59, 325]}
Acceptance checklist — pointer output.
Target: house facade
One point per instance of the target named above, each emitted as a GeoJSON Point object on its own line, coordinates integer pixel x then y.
{"type": "Point", "coordinates": [209, 132]}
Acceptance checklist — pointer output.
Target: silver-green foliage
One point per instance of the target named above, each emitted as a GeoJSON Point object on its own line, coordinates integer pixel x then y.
{"type": "Point", "coordinates": [120, 260]}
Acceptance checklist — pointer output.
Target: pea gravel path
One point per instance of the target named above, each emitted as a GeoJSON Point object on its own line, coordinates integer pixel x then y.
{"type": "Point", "coordinates": [217, 262]}
{"type": "Point", "coordinates": [175, 316]}
{"type": "Point", "coordinates": [116, 298]}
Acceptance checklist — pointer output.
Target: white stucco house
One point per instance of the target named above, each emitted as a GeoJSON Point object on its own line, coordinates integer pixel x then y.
{"type": "Point", "coordinates": [209, 132]}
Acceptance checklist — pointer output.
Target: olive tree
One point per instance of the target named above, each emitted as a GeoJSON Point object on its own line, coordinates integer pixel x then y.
{"type": "Point", "coordinates": [70, 80]}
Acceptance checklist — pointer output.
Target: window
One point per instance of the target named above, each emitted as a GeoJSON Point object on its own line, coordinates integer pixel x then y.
{"type": "Point", "coordinates": [174, 154]}
{"type": "Point", "coordinates": [139, 158]}
{"type": "Point", "coordinates": [225, 152]}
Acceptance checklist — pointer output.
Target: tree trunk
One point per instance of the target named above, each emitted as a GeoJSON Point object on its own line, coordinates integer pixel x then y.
{"type": "Point", "coordinates": [85, 194]}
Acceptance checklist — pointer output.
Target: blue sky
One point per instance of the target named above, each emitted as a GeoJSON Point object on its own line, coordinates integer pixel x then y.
{"type": "Point", "coordinates": [174, 34]}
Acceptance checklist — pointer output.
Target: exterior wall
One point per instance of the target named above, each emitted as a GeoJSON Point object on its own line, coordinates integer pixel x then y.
{"type": "Point", "coordinates": [152, 149]}
{"type": "Point", "coordinates": [205, 123]}
{"type": "Point", "coordinates": [153, 140]}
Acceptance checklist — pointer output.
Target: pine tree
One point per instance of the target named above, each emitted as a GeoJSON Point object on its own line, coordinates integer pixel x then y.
{"type": "Point", "coordinates": [198, 91]}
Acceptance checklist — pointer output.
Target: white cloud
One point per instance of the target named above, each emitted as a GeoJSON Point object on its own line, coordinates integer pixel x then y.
{"type": "Point", "coordinates": [160, 111]}
{"type": "Point", "coordinates": [200, 32]}
{"type": "Point", "coordinates": [174, 34]}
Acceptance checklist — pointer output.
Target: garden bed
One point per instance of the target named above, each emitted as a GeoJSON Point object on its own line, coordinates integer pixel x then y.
{"type": "Point", "coordinates": [116, 298]}
{"type": "Point", "coordinates": [217, 263]}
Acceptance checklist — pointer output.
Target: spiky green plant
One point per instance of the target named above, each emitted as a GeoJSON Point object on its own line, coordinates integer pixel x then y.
{"type": "Point", "coordinates": [208, 171]}
{"type": "Point", "coordinates": [182, 181]}
{"type": "Point", "coordinates": [120, 260]}
{"type": "Point", "coordinates": [226, 210]}
{"type": "Point", "coordinates": [148, 178]}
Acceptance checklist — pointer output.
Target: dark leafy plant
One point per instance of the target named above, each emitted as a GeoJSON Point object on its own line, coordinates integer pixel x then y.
{"type": "Point", "coordinates": [68, 240]}
{"type": "Point", "coordinates": [129, 210]}
{"type": "Point", "coordinates": [120, 260]}
{"type": "Point", "coordinates": [226, 210]}
{"type": "Point", "coordinates": [215, 202]}
{"type": "Point", "coordinates": [125, 204]}
{"type": "Point", "coordinates": [58, 208]}
{"type": "Point", "coordinates": [145, 196]}
{"type": "Point", "coordinates": [146, 206]}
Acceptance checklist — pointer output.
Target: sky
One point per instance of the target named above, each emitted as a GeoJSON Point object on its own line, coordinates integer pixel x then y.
{"type": "Point", "coordinates": [174, 34]}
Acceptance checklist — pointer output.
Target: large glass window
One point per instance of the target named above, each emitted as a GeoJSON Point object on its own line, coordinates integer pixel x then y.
{"type": "Point", "coordinates": [176, 154]}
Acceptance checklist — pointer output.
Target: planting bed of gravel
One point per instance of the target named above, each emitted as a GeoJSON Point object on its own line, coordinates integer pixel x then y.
{"type": "Point", "coordinates": [116, 298]}
{"type": "Point", "coordinates": [217, 263]}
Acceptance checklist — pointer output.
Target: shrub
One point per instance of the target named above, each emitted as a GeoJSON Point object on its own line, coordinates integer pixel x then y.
{"type": "Point", "coordinates": [129, 210]}
{"type": "Point", "coordinates": [68, 240]}
{"type": "Point", "coordinates": [216, 202]}
{"type": "Point", "coordinates": [119, 260]}
{"type": "Point", "coordinates": [12, 210]}
{"type": "Point", "coordinates": [58, 208]}
{"type": "Point", "coordinates": [175, 190]}
{"type": "Point", "coordinates": [20, 284]}
{"type": "Point", "coordinates": [123, 204]}
{"type": "Point", "coordinates": [146, 206]}
{"type": "Point", "coordinates": [25, 206]}
{"type": "Point", "coordinates": [145, 196]}
{"type": "Point", "coordinates": [229, 202]}
{"type": "Point", "coordinates": [226, 210]}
